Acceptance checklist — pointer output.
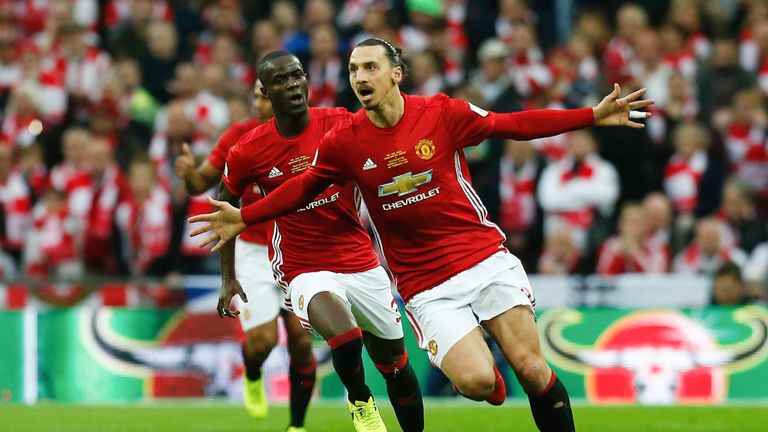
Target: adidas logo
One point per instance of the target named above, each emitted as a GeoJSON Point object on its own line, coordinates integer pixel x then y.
{"type": "Point", "coordinates": [369, 165]}
{"type": "Point", "coordinates": [274, 172]}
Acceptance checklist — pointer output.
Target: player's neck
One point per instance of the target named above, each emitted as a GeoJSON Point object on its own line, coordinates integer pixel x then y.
{"type": "Point", "coordinates": [289, 125]}
{"type": "Point", "coordinates": [389, 112]}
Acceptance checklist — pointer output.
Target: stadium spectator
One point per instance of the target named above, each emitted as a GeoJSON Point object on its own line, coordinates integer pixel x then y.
{"type": "Point", "coordinates": [159, 64]}
{"type": "Point", "coordinates": [560, 255]}
{"type": "Point", "coordinates": [728, 286]}
{"type": "Point", "coordinates": [721, 78]}
{"type": "Point", "coordinates": [579, 192]}
{"type": "Point", "coordinates": [15, 205]}
{"type": "Point", "coordinates": [519, 172]}
{"type": "Point", "coordinates": [740, 225]}
{"type": "Point", "coordinates": [74, 144]}
{"type": "Point", "coordinates": [632, 250]}
{"type": "Point", "coordinates": [707, 252]}
{"type": "Point", "coordinates": [659, 216]}
{"type": "Point", "coordinates": [94, 200]}
{"type": "Point", "coordinates": [327, 74]}
{"type": "Point", "coordinates": [52, 249]}
{"type": "Point", "coordinates": [491, 79]}
{"type": "Point", "coordinates": [426, 76]}
{"type": "Point", "coordinates": [631, 20]}
{"type": "Point", "coordinates": [144, 220]}
{"type": "Point", "coordinates": [756, 274]}
{"type": "Point", "coordinates": [684, 172]}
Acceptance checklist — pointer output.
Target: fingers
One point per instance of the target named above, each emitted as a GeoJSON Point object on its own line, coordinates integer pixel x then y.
{"type": "Point", "coordinates": [241, 292]}
{"type": "Point", "coordinates": [201, 230]}
{"type": "Point", "coordinates": [635, 94]}
{"type": "Point", "coordinates": [641, 104]}
{"type": "Point", "coordinates": [616, 91]}
{"type": "Point", "coordinates": [208, 241]}
{"type": "Point", "coordinates": [186, 150]}
{"type": "Point", "coordinates": [218, 245]}
{"type": "Point", "coordinates": [220, 307]}
{"type": "Point", "coordinates": [206, 217]}
{"type": "Point", "coordinates": [635, 125]}
{"type": "Point", "coordinates": [226, 312]}
{"type": "Point", "coordinates": [639, 115]}
{"type": "Point", "coordinates": [216, 204]}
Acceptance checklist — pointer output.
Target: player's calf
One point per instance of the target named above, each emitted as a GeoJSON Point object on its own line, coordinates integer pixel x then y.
{"type": "Point", "coordinates": [404, 393]}
{"type": "Point", "coordinates": [551, 407]}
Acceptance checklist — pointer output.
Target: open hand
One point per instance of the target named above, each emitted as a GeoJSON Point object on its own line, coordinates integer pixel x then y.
{"type": "Point", "coordinates": [224, 224]}
{"type": "Point", "coordinates": [615, 111]}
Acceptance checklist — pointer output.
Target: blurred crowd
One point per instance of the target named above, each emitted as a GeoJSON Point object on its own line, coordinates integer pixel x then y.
{"type": "Point", "coordinates": [98, 96]}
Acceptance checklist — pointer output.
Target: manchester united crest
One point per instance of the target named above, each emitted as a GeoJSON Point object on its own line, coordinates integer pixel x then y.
{"type": "Point", "coordinates": [301, 302]}
{"type": "Point", "coordinates": [425, 149]}
{"type": "Point", "coordinates": [432, 346]}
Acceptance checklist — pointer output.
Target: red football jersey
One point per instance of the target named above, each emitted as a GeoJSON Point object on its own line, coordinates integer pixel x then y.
{"type": "Point", "coordinates": [326, 235]}
{"type": "Point", "coordinates": [415, 183]}
{"type": "Point", "coordinates": [258, 233]}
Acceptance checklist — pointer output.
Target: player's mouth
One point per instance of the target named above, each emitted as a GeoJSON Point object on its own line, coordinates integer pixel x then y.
{"type": "Point", "coordinates": [296, 98]}
{"type": "Point", "coordinates": [366, 94]}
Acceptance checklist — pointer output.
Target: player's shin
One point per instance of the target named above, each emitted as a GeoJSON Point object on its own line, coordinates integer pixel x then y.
{"type": "Point", "coordinates": [404, 393]}
{"type": "Point", "coordinates": [346, 353]}
{"type": "Point", "coordinates": [302, 379]}
{"type": "Point", "coordinates": [252, 361]}
{"type": "Point", "coordinates": [551, 408]}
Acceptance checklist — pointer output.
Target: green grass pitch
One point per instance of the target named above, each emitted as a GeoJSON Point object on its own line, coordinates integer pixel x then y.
{"type": "Point", "coordinates": [329, 416]}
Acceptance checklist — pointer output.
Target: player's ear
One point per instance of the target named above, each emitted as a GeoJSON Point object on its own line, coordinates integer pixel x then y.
{"type": "Point", "coordinates": [263, 91]}
{"type": "Point", "coordinates": [397, 74]}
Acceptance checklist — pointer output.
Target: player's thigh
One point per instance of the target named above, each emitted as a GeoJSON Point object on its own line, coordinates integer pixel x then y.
{"type": "Point", "coordinates": [326, 293]}
{"type": "Point", "coordinates": [469, 361]}
{"type": "Point", "coordinates": [372, 303]}
{"type": "Point", "coordinates": [506, 310]}
{"type": "Point", "coordinates": [255, 276]}
{"type": "Point", "coordinates": [440, 317]}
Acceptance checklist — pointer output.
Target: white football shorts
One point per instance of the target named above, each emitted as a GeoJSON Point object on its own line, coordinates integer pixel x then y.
{"type": "Point", "coordinates": [367, 294]}
{"type": "Point", "coordinates": [265, 297]}
{"type": "Point", "coordinates": [443, 315]}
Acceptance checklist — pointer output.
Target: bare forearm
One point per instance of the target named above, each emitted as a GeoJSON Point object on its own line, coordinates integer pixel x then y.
{"type": "Point", "coordinates": [204, 177]}
{"type": "Point", "coordinates": [227, 252]}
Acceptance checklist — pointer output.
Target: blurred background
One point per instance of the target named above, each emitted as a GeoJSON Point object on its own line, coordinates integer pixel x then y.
{"type": "Point", "coordinates": [647, 249]}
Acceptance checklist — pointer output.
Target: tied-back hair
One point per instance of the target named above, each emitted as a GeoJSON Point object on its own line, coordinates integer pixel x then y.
{"type": "Point", "coordinates": [394, 55]}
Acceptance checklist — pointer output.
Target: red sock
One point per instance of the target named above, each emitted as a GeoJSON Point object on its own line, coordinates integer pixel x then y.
{"type": "Point", "coordinates": [499, 392]}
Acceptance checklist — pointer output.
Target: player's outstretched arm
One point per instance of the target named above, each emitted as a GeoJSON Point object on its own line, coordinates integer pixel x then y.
{"type": "Point", "coordinates": [227, 222]}
{"type": "Point", "coordinates": [611, 111]}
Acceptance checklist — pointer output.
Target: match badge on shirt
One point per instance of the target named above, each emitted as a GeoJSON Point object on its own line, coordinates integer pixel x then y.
{"type": "Point", "coordinates": [425, 149]}
{"type": "Point", "coordinates": [432, 346]}
{"type": "Point", "coordinates": [369, 165]}
{"type": "Point", "coordinates": [301, 302]}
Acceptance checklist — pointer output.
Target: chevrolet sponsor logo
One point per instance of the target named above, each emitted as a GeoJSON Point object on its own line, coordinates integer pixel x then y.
{"type": "Point", "coordinates": [405, 184]}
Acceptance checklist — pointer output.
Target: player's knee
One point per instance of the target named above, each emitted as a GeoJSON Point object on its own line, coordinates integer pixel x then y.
{"type": "Point", "coordinates": [532, 371]}
{"type": "Point", "coordinates": [260, 344]}
{"type": "Point", "coordinates": [476, 384]}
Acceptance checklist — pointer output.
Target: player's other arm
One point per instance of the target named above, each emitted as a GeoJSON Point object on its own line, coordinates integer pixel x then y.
{"type": "Point", "coordinates": [229, 221]}
{"type": "Point", "coordinates": [229, 283]}
{"type": "Point", "coordinates": [197, 178]}
{"type": "Point", "coordinates": [611, 111]}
